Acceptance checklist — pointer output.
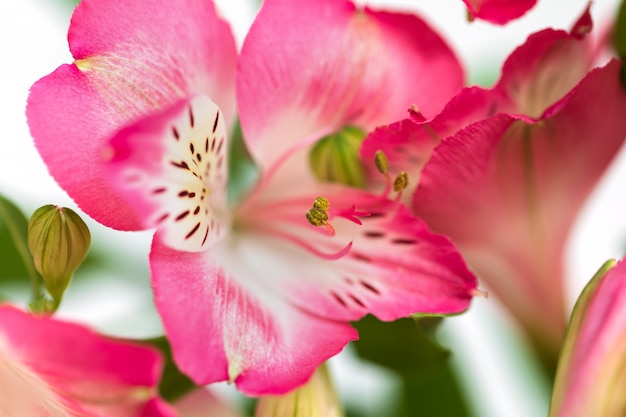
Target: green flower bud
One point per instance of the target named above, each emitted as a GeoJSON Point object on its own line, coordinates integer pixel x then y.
{"type": "Point", "coordinates": [58, 240]}
{"type": "Point", "coordinates": [335, 158]}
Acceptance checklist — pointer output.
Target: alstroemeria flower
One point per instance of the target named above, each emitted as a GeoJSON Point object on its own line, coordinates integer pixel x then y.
{"type": "Point", "coordinates": [250, 291]}
{"type": "Point", "coordinates": [514, 166]}
{"type": "Point", "coordinates": [591, 378]}
{"type": "Point", "coordinates": [58, 369]}
{"type": "Point", "coordinates": [498, 11]}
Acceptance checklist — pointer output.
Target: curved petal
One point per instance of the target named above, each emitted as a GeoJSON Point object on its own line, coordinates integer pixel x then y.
{"type": "Point", "coordinates": [222, 330]}
{"type": "Point", "coordinates": [171, 168]}
{"type": "Point", "coordinates": [507, 191]}
{"type": "Point", "coordinates": [546, 67]}
{"type": "Point", "coordinates": [97, 377]}
{"type": "Point", "coordinates": [132, 58]}
{"type": "Point", "coordinates": [311, 68]}
{"type": "Point", "coordinates": [498, 11]}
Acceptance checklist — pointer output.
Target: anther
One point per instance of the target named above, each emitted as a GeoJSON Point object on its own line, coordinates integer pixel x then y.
{"type": "Point", "coordinates": [380, 159]}
{"type": "Point", "coordinates": [318, 215]}
{"type": "Point", "coordinates": [321, 203]}
{"type": "Point", "coordinates": [401, 181]}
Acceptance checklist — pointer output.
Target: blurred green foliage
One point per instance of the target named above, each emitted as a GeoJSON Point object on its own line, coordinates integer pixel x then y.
{"type": "Point", "coordinates": [409, 348]}
{"type": "Point", "coordinates": [174, 384]}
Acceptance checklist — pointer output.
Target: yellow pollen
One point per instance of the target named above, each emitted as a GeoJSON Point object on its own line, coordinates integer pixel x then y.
{"type": "Point", "coordinates": [316, 217]}
{"type": "Point", "coordinates": [401, 181]}
{"type": "Point", "coordinates": [380, 159]}
{"type": "Point", "coordinates": [321, 203]}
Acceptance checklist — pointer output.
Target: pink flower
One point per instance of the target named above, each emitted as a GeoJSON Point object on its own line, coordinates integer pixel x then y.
{"type": "Point", "coordinates": [248, 290]}
{"type": "Point", "coordinates": [498, 11]}
{"type": "Point", "coordinates": [592, 371]}
{"type": "Point", "coordinates": [57, 369]}
{"type": "Point", "coordinates": [514, 166]}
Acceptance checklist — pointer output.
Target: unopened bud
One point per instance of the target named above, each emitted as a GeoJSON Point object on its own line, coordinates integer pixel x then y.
{"type": "Point", "coordinates": [316, 398]}
{"type": "Point", "coordinates": [336, 158]}
{"type": "Point", "coordinates": [58, 240]}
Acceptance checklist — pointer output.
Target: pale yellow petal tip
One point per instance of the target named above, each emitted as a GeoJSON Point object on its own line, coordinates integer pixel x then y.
{"type": "Point", "coordinates": [83, 65]}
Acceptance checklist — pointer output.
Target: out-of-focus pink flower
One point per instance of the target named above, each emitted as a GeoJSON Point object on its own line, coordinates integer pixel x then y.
{"type": "Point", "coordinates": [498, 11]}
{"type": "Point", "coordinates": [591, 377]}
{"type": "Point", "coordinates": [514, 166]}
{"type": "Point", "coordinates": [58, 369]}
{"type": "Point", "coordinates": [249, 291]}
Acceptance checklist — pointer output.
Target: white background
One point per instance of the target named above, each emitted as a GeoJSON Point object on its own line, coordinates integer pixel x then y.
{"type": "Point", "coordinates": [496, 372]}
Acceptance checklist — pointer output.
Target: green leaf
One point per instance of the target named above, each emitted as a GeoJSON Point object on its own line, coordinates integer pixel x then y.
{"type": "Point", "coordinates": [406, 346]}
{"type": "Point", "coordinates": [174, 384]}
{"type": "Point", "coordinates": [619, 38]}
{"type": "Point", "coordinates": [17, 264]}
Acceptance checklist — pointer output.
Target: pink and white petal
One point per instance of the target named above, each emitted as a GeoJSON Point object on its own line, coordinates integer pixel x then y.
{"type": "Point", "coordinates": [132, 58]}
{"type": "Point", "coordinates": [498, 11]}
{"type": "Point", "coordinates": [171, 167]}
{"type": "Point", "coordinates": [223, 330]}
{"type": "Point", "coordinates": [378, 259]}
{"type": "Point", "coordinates": [546, 67]}
{"type": "Point", "coordinates": [333, 65]}
{"type": "Point", "coordinates": [507, 192]}
{"type": "Point", "coordinates": [95, 376]}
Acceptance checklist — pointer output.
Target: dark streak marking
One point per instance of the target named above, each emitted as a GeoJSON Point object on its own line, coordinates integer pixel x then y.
{"type": "Point", "coordinates": [197, 210]}
{"type": "Point", "coordinates": [404, 241]}
{"type": "Point", "coordinates": [182, 215]}
{"type": "Point", "coordinates": [206, 234]}
{"type": "Point", "coordinates": [175, 132]}
{"type": "Point", "coordinates": [338, 298]}
{"type": "Point", "coordinates": [192, 195]}
{"type": "Point", "coordinates": [206, 145]}
{"type": "Point", "coordinates": [219, 147]}
{"type": "Point", "coordinates": [213, 144]}
{"type": "Point", "coordinates": [163, 217]}
{"type": "Point", "coordinates": [356, 300]}
{"type": "Point", "coordinates": [373, 234]}
{"type": "Point", "coordinates": [194, 230]}
{"type": "Point", "coordinates": [190, 117]}
{"type": "Point", "coordinates": [182, 164]}
{"type": "Point", "coordinates": [199, 157]}
{"type": "Point", "coordinates": [217, 116]}
{"type": "Point", "coordinates": [369, 287]}
{"type": "Point", "coordinates": [159, 190]}
{"type": "Point", "coordinates": [183, 193]}
{"type": "Point", "coordinates": [191, 148]}
{"type": "Point", "coordinates": [361, 257]}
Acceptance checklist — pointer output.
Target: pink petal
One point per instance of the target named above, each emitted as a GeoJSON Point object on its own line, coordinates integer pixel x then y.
{"type": "Point", "coordinates": [386, 263]}
{"type": "Point", "coordinates": [90, 374]}
{"type": "Point", "coordinates": [498, 11]}
{"type": "Point", "coordinates": [591, 375]}
{"type": "Point", "coordinates": [543, 70]}
{"type": "Point", "coordinates": [507, 191]}
{"type": "Point", "coordinates": [222, 330]}
{"type": "Point", "coordinates": [310, 68]}
{"type": "Point", "coordinates": [171, 168]}
{"type": "Point", "coordinates": [132, 58]}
